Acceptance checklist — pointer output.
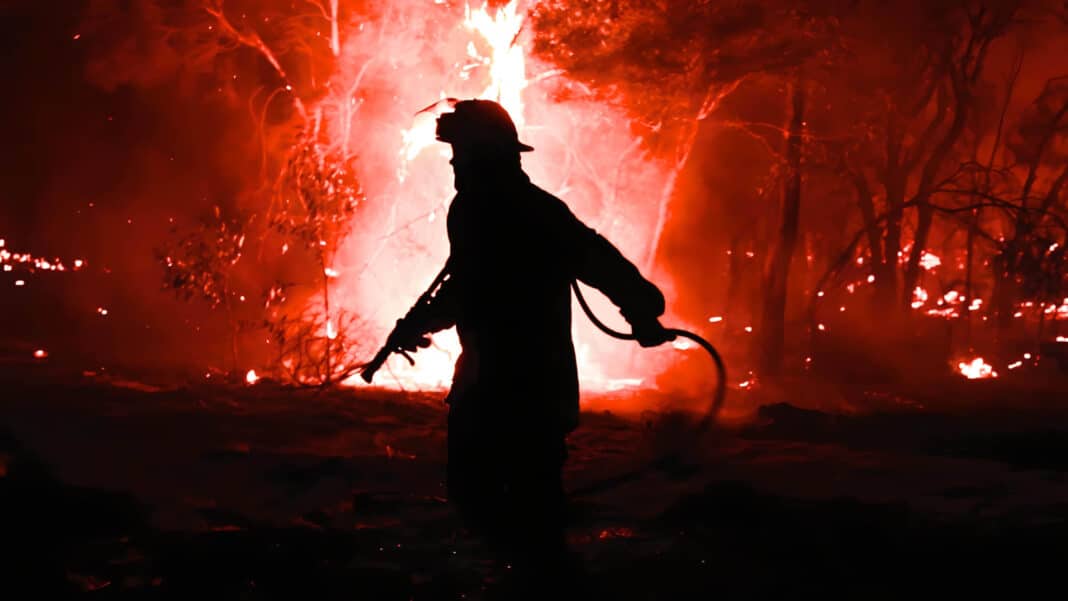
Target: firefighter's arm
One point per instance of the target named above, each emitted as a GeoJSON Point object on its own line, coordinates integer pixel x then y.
{"type": "Point", "coordinates": [434, 311]}
{"type": "Point", "coordinates": [598, 263]}
{"type": "Point", "coordinates": [435, 314]}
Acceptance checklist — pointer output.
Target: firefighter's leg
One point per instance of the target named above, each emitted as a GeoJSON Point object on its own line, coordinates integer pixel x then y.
{"type": "Point", "coordinates": [535, 510]}
{"type": "Point", "coordinates": [472, 462]}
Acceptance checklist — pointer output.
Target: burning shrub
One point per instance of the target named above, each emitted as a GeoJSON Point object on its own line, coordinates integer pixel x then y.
{"type": "Point", "coordinates": [201, 263]}
{"type": "Point", "coordinates": [314, 210]}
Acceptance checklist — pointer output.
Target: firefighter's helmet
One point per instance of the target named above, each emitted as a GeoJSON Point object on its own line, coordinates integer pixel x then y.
{"type": "Point", "coordinates": [482, 124]}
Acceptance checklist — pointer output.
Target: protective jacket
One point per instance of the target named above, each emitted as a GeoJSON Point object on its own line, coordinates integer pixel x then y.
{"type": "Point", "coordinates": [514, 249]}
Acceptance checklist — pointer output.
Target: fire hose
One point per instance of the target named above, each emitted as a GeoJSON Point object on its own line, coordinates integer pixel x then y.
{"type": "Point", "coordinates": [707, 419]}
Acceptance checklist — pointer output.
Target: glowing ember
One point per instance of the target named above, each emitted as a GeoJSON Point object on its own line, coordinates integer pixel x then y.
{"type": "Point", "coordinates": [27, 262]}
{"type": "Point", "coordinates": [1015, 364]}
{"type": "Point", "coordinates": [615, 533]}
{"type": "Point", "coordinates": [715, 319]}
{"type": "Point", "coordinates": [40, 353]}
{"type": "Point", "coordinates": [683, 344]}
{"type": "Point", "coordinates": [1062, 338]}
{"type": "Point", "coordinates": [977, 369]}
{"type": "Point", "coordinates": [251, 377]}
{"type": "Point", "coordinates": [946, 312]}
{"type": "Point", "coordinates": [919, 297]}
{"type": "Point", "coordinates": [929, 261]}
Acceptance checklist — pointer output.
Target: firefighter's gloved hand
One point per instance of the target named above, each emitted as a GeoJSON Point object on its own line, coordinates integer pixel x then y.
{"type": "Point", "coordinates": [410, 345]}
{"type": "Point", "coordinates": [650, 333]}
{"type": "Point", "coordinates": [405, 338]}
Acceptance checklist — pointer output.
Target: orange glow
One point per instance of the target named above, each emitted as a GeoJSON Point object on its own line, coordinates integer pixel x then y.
{"type": "Point", "coordinates": [40, 353]}
{"type": "Point", "coordinates": [251, 377]}
{"type": "Point", "coordinates": [399, 242]}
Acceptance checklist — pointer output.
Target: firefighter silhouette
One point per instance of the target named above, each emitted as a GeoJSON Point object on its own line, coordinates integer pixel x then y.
{"type": "Point", "coordinates": [514, 250]}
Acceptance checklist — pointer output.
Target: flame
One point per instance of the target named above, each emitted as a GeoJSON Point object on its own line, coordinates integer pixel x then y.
{"type": "Point", "coordinates": [977, 369]}
{"type": "Point", "coordinates": [507, 61]}
{"type": "Point", "coordinates": [507, 70]}
{"type": "Point", "coordinates": [251, 377]}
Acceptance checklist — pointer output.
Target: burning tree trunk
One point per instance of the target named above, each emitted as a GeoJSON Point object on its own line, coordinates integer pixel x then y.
{"type": "Point", "coordinates": [774, 321]}
{"type": "Point", "coordinates": [894, 187]}
{"type": "Point", "coordinates": [866, 203]}
{"type": "Point", "coordinates": [925, 218]}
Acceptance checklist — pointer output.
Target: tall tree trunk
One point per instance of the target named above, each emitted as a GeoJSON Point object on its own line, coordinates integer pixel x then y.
{"type": "Point", "coordinates": [233, 327]}
{"type": "Point", "coordinates": [963, 97]}
{"type": "Point", "coordinates": [924, 221]}
{"type": "Point", "coordinates": [969, 285]}
{"type": "Point", "coordinates": [894, 184]}
{"type": "Point", "coordinates": [682, 156]}
{"type": "Point", "coordinates": [866, 202]}
{"type": "Point", "coordinates": [329, 352]}
{"type": "Point", "coordinates": [735, 273]}
{"type": "Point", "coordinates": [774, 322]}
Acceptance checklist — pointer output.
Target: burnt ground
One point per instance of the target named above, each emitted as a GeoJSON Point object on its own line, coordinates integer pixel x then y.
{"type": "Point", "coordinates": [110, 489]}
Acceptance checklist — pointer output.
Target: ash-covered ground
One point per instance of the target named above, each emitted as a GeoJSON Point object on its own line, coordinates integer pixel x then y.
{"type": "Point", "coordinates": [113, 489]}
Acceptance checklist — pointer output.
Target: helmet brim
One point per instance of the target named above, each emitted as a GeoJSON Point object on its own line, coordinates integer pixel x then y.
{"type": "Point", "coordinates": [519, 146]}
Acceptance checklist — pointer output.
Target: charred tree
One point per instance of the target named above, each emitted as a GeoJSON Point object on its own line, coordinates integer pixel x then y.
{"type": "Point", "coordinates": [778, 273]}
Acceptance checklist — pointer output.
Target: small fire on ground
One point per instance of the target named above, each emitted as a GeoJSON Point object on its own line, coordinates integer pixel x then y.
{"type": "Point", "coordinates": [977, 369]}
